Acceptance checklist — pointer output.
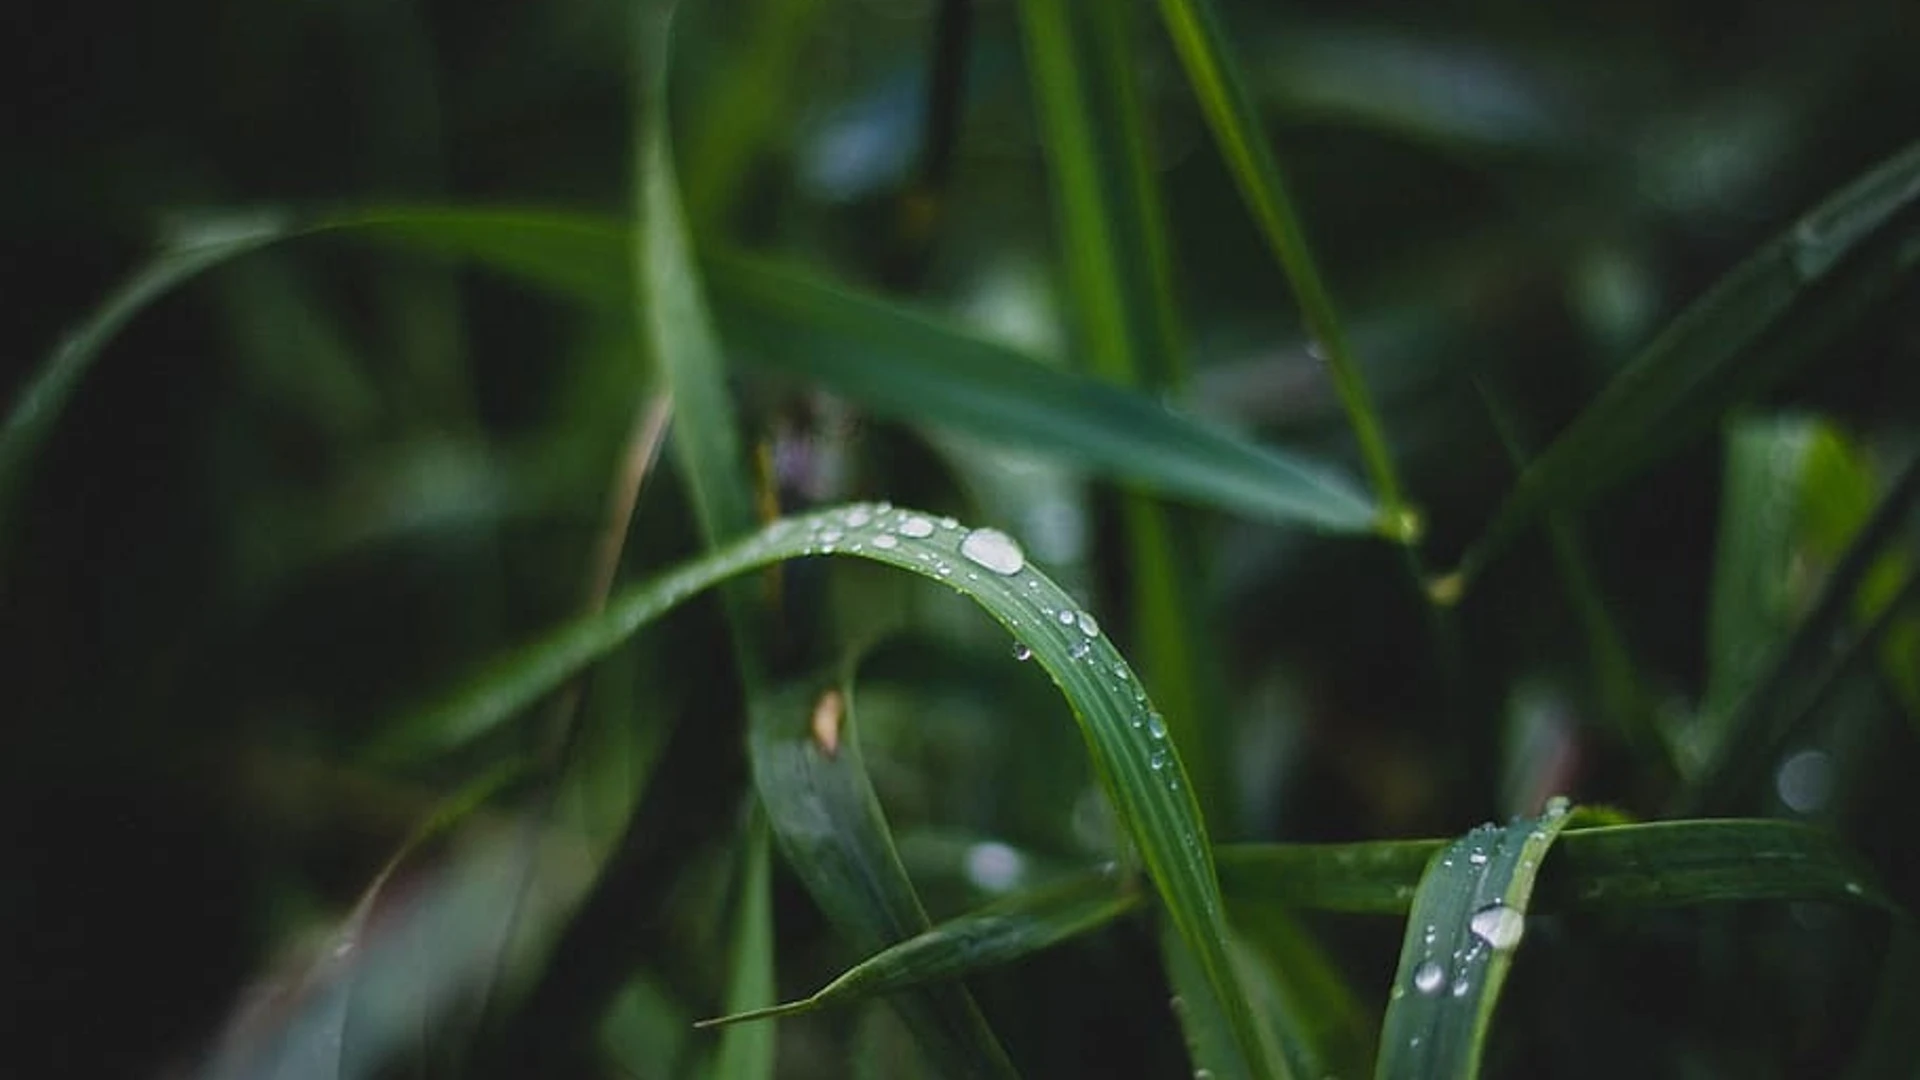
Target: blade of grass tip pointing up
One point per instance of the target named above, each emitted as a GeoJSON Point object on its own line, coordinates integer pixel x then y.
{"type": "Point", "coordinates": [1141, 774]}
{"type": "Point", "coordinates": [1467, 919]}
{"type": "Point", "coordinates": [1781, 307]}
{"type": "Point", "coordinates": [1222, 91]}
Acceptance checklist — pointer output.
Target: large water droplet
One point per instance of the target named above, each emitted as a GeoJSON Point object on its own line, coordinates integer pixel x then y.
{"type": "Point", "coordinates": [1428, 977]}
{"type": "Point", "coordinates": [994, 550]}
{"type": "Point", "coordinates": [857, 517]}
{"type": "Point", "coordinates": [1156, 726]}
{"type": "Point", "coordinates": [1498, 925]}
{"type": "Point", "coordinates": [1086, 623]}
{"type": "Point", "coordinates": [885, 542]}
{"type": "Point", "coordinates": [915, 526]}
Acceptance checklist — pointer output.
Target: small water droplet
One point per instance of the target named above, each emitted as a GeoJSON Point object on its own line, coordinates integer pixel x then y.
{"type": "Point", "coordinates": [994, 866]}
{"type": "Point", "coordinates": [885, 542]}
{"type": "Point", "coordinates": [830, 536]}
{"type": "Point", "coordinates": [857, 517]}
{"type": "Point", "coordinates": [1460, 986]}
{"type": "Point", "coordinates": [949, 523]}
{"type": "Point", "coordinates": [1854, 888]}
{"type": "Point", "coordinates": [1079, 650]}
{"type": "Point", "coordinates": [1137, 721]}
{"type": "Point", "coordinates": [1428, 977]}
{"type": "Point", "coordinates": [1022, 652]}
{"type": "Point", "coordinates": [1156, 726]}
{"type": "Point", "coordinates": [915, 526]}
{"type": "Point", "coordinates": [1477, 858]}
{"type": "Point", "coordinates": [1066, 618]}
{"type": "Point", "coordinates": [1158, 760]}
{"type": "Point", "coordinates": [1498, 925]}
{"type": "Point", "coordinates": [994, 550]}
{"type": "Point", "coordinates": [1086, 624]}
{"type": "Point", "coordinates": [1120, 671]}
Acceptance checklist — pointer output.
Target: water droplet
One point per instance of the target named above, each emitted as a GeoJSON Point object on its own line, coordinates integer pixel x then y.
{"type": "Point", "coordinates": [1428, 977]}
{"type": "Point", "coordinates": [857, 517]}
{"type": "Point", "coordinates": [1079, 650]}
{"type": "Point", "coordinates": [1137, 720]}
{"type": "Point", "coordinates": [1158, 760]}
{"type": "Point", "coordinates": [1854, 888]}
{"type": "Point", "coordinates": [1066, 618]}
{"type": "Point", "coordinates": [1156, 726]}
{"type": "Point", "coordinates": [885, 542]}
{"type": "Point", "coordinates": [915, 526]}
{"type": "Point", "coordinates": [1558, 805]}
{"type": "Point", "coordinates": [1477, 858]}
{"type": "Point", "coordinates": [1022, 652]}
{"type": "Point", "coordinates": [1460, 986]}
{"type": "Point", "coordinates": [1804, 781]}
{"type": "Point", "coordinates": [1498, 925]}
{"type": "Point", "coordinates": [1120, 671]}
{"type": "Point", "coordinates": [830, 536]}
{"type": "Point", "coordinates": [949, 523]}
{"type": "Point", "coordinates": [994, 866]}
{"type": "Point", "coordinates": [1086, 623]}
{"type": "Point", "coordinates": [994, 550]}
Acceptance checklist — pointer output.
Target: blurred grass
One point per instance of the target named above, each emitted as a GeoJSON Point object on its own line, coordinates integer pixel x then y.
{"type": "Point", "coordinates": [263, 503]}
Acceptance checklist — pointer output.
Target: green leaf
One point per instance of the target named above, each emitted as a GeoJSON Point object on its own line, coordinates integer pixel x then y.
{"type": "Point", "coordinates": [808, 770]}
{"type": "Point", "coordinates": [1229, 108]}
{"type": "Point", "coordinates": [1467, 919]}
{"type": "Point", "coordinates": [1778, 309]}
{"type": "Point", "coordinates": [748, 1054]}
{"type": "Point", "coordinates": [1140, 772]}
{"type": "Point", "coordinates": [193, 247]}
{"type": "Point", "coordinates": [906, 365]}
{"type": "Point", "coordinates": [1004, 931]}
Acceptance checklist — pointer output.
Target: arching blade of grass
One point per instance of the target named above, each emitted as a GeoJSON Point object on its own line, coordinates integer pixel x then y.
{"type": "Point", "coordinates": [1778, 309]}
{"type": "Point", "coordinates": [1202, 43]}
{"type": "Point", "coordinates": [1656, 864]}
{"type": "Point", "coordinates": [1467, 918]}
{"type": "Point", "coordinates": [808, 770]}
{"type": "Point", "coordinates": [1006, 930]}
{"type": "Point", "coordinates": [887, 357]}
{"type": "Point", "coordinates": [182, 255]}
{"type": "Point", "coordinates": [1140, 772]}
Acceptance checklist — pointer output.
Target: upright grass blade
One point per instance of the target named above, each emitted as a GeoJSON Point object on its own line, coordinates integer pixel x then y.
{"type": "Point", "coordinates": [747, 1054]}
{"type": "Point", "coordinates": [1467, 918]}
{"type": "Point", "coordinates": [1009, 929]}
{"type": "Point", "coordinates": [1778, 309]}
{"type": "Point", "coordinates": [1229, 108]}
{"type": "Point", "coordinates": [809, 773]}
{"type": "Point", "coordinates": [1140, 772]}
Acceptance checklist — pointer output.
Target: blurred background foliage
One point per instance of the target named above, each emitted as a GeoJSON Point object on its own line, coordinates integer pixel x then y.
{"type": "Point", "coordinates": [320, 482]}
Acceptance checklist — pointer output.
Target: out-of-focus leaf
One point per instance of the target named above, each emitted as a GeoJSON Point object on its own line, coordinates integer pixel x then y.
{"type": "Point", "coordinates": [1004, 931]}
{"type": "Point", "coordinates": [1777, 309]}
{"type": "Point", "coordinates": [1468, 917]}
{"type": "Point", "coordinates": [808, 770]}
{"type": "Point", "coordinates": [748, 1055]}
{"type": "Point", "coordinates": [1225, 99]}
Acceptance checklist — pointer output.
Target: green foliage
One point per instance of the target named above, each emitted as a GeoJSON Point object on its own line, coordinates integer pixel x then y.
{"type": "Point", "coordinates": [423, 658]}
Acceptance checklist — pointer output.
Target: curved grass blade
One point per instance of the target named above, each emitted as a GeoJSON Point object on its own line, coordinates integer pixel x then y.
{"type": "Point", "coordinates": [1222, 91]}
{"type": "Point", "coordinates": [1002, 932]}
{"type": "Point", "coordinates": [902, 364]}
{"type": "Point", "coordinates": [810, 776]}
{"type": "Point", "coordinates": [188, 251]}
{"type": "Point", "coordinates": [1798, 292]}
{"type": "Point", "coordinates": [1140, 772]}
{"type": "Point", "coordinates": [1467, 918]}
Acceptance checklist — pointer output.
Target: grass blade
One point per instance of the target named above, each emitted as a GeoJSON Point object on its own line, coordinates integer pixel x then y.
{"type": "Point", "coordinates": [902, 364]}
{"type": "Point", "coordinates": [1467, 918]}
{"type": "Point", "coordinates": [1202, 43]}
{"type": "Point", "coordinates": [1798, 292]}
{"type": "Point", "coordinates": [808, 770]}
{"type": "Point", "coordinates": [1007, 930]}
{"type": "Point", "coordinates": [1656, 864]}
{"type": "Point", "coordinates": [748, 1054]}
{"type": "Point", "coordinates": [1141, 774]}
{"type": "Point", "coordinates": [189, 251]}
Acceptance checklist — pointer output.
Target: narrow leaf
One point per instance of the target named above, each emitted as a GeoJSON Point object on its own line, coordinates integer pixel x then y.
{"type": "Point", "coordinates": [1467, 919]}
{"type": "Point", "coordinates": [1778, 309]}
{"type": "Point", "coordinates": [810, 776]}
{"type": "Point", "coordinates": [748, 1054]}
{"type": "Point", "coordinates": [1007, 930]}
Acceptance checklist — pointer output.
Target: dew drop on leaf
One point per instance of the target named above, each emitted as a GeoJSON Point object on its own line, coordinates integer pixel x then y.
{"type": "Point", "coordinates": [993, 550]}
